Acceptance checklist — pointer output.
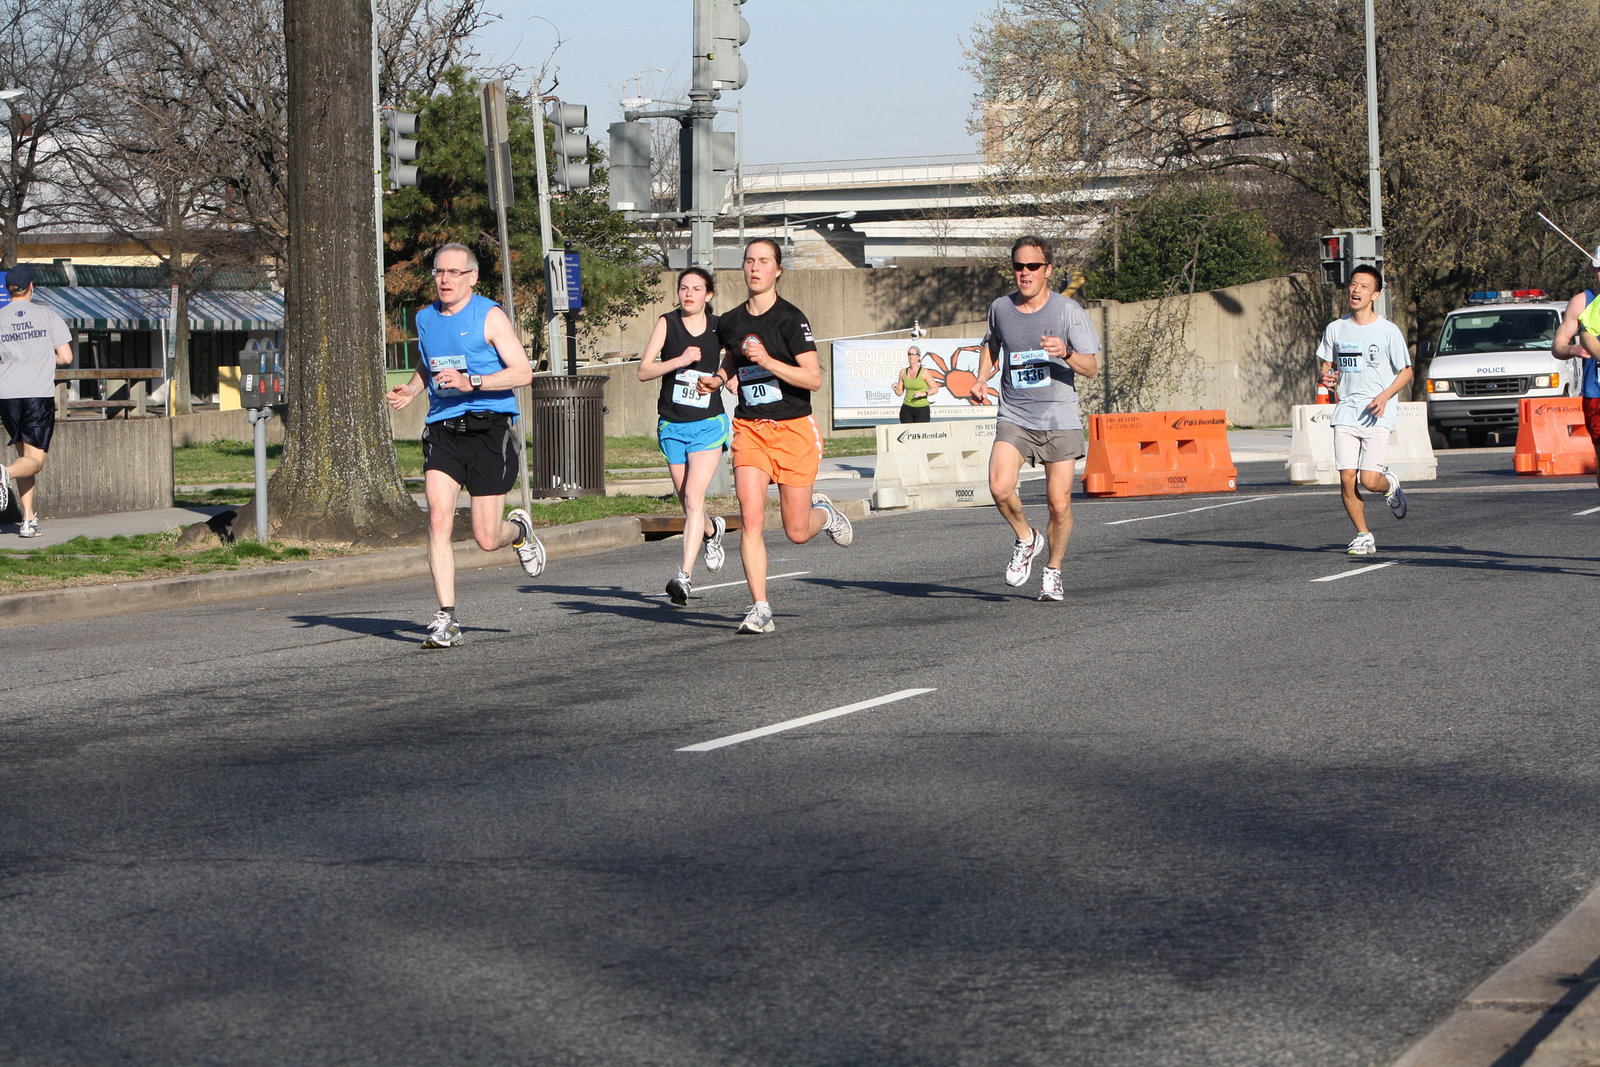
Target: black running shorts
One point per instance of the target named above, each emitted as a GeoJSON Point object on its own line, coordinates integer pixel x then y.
{"type": "Point", "coordinates": [480, 453]}
{"type": "Point", "coordinates": [29, 419]}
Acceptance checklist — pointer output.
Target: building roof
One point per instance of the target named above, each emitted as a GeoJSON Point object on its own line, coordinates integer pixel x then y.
{"type": "Point", "coordinates": [89, 307]}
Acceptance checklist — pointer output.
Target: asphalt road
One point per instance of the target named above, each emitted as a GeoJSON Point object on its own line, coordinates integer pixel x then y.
{"type": "Point", "coordinates": [1239, 800]}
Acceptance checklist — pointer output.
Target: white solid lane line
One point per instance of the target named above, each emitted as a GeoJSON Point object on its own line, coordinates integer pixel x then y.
{"type": "Point", "coordinates": [726, 585]}
{"type": "Point", "coordinates": [1591, 511]}
{"type": "Point", "coordinates": [804, 720]}
{"type": "Point", "coordinates": [1358, 570]}
{"type": "Point", "coordinates": [1190, 511]}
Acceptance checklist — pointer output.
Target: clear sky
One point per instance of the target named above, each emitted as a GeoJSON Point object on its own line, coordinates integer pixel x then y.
{"type": "Point", "coordinates": [829, 79]}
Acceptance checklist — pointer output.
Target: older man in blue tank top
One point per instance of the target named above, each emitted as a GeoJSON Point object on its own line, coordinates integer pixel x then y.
{"type": "Point", "coordinates": [471, 362]}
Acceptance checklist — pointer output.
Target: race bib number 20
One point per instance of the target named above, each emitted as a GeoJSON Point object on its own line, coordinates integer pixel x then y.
{"type": "Point", "coordinates": [757, 387]}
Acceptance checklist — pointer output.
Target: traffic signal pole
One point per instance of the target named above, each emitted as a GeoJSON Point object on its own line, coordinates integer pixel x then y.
{"type": "Point", "coordinates": [552, 321]}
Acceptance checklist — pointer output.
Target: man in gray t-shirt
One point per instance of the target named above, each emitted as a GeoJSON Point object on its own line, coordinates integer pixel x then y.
{"type": "Point", "coordinates": [1039, 342]}
{"type": "Point", "coordinates": [33, 343]}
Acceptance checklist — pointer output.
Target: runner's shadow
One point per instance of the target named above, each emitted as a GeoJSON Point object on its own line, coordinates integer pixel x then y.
{"type": "Point", "coordinates": [1260, 546]}
{"type": "Point", "coordinates": [632, 604]}
{"type": "Point", "coordinates": [915, 590]}
{"type": "Point", "coordinates": [406, 630]}
{"type": "Point", "coordinates": [1413, 555]}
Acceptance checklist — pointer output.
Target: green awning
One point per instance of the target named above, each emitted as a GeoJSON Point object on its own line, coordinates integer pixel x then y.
{"type": "Point", "coordinates": [100, 308]}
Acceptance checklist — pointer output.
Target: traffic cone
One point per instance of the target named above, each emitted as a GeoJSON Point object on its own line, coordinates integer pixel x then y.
{"type": "Point", "coordinates": [1323, 396]}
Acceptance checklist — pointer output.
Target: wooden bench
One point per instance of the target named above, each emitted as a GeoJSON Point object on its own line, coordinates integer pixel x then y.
{"type": "Point", "coordinates": [131, 391]}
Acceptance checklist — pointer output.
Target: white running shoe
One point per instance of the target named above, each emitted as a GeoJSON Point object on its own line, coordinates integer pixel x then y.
{"type": "Point", "coordinates": [1395, 497]}
{"type": "Point", "coordinates": [29, 527]}
{"type": "Point", "coordinates": [716, 555]}
{"type": "Point", "coordinates": [1363, 545]}
{"type": "Point", "coordinates": [758, 620]}
{"type": "Point", "coordinates": [837, 527]}
{"type": "Point", "coordinates": [1051, 590]}
{"type": "Point", "coordinates": [443, 631]}
{"type": "Point", "coordinates": [529, 549]}
{"type": "Point", "coordinates": [679, 588]}
{"type": "Point", "coordinates": [1021, 566]}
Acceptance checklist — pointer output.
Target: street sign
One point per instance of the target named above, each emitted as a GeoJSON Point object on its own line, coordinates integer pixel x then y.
{"type": "Point", "coordinates": [574, 283]}
{"type": "Point", "coordinates": [564, 280]}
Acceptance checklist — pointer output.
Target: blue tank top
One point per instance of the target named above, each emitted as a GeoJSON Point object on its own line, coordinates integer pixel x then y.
{"type": "Point", "coordinates": [456, 342]}
{"type": "Point", "coordinates": [1590, 381]}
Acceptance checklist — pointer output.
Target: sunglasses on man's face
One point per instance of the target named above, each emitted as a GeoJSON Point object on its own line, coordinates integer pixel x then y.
{"type": "Point", "coordinates": [1028, 266]}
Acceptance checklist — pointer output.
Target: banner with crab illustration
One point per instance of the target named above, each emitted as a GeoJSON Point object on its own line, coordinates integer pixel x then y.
{"type": "Point", "coordinates": [865, 372]}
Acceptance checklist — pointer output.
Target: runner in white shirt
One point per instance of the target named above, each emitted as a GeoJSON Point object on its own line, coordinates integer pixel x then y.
{"type": "Point", "coordinates": [1364, 356]}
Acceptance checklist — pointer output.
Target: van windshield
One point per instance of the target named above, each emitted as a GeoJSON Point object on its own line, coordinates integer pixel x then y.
{"type": "Point", "coordinates": [1499, 330]}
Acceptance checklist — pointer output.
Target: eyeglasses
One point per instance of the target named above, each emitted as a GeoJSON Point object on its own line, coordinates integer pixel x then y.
{"type": "Point", "coordinates": [1028, 266]}
{"type": "Point", "coordinates": [451, 272]}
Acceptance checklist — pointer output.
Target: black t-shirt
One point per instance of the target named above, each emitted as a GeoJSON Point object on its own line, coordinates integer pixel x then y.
{"type": "Point", "coordinates": [680, 400]}
{"type": "Point", "coordinates": [787, 335]}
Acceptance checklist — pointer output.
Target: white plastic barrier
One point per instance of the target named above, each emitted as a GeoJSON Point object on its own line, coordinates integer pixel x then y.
{"type": "Point", "coordinates": [1310, 462]}
{"type": "Point", "coordinates": [933, 465]}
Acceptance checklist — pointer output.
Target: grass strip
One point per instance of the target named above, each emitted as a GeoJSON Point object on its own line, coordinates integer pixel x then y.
{"type": "Point", "coordinates": [103, 560]}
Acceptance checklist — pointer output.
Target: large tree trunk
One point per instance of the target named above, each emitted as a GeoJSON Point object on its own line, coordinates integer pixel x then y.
{"type": "Point", "coordinates": [340, 479]}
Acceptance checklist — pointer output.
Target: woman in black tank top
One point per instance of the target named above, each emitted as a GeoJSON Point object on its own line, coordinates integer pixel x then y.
{"type": "Point", "coordinates": [692, 428]}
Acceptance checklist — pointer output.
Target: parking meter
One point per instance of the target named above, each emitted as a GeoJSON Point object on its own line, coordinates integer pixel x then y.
{"type": "Point", "coordinates": [261, 375]}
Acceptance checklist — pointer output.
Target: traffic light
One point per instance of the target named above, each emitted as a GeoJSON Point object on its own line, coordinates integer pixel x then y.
{"type": "Point", "coordinates": [1336, 258]}
{"type": "Point", "coordinates": [402, 148]}
{"type": "Point", "coordinates": [572, 146]}
{"type": "Point", "coordinates": [705, 188]}
{"type": "Point", "coordinates": [629, 175]}
{"type": "Point", "coordinates": [729, 30]}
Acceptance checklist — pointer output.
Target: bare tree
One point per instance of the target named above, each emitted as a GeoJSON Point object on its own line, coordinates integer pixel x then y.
{"type": "Point", "coordinates": [1481, 120]}
{"type": "Point", "coordinates": [418, 40]}
{"type": "Point", "coordinates": [53, 50]}
{"type": "Point", "coordinates": [148, 174]}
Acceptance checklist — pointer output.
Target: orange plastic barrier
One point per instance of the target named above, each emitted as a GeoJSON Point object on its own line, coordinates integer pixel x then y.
{"type": "Point", "coordinates": [1551, 438]}
{"type": "Point", "coordinates": [1159, 453]}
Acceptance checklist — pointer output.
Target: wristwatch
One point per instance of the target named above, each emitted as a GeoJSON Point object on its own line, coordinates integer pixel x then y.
{"type": "Point", "coordinates": [475, 380]}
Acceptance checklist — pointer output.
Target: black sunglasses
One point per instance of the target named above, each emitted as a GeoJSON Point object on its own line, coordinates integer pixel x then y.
{"type": "Point", "coordinates": [1028, 266]}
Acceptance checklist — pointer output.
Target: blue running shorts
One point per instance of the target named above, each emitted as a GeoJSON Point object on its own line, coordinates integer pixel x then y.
{"type": "Point", "coordinates": [678, 439]}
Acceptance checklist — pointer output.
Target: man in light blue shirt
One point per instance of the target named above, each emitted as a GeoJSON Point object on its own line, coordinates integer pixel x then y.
{"type": "Point", "coordinates": [1364, 356]}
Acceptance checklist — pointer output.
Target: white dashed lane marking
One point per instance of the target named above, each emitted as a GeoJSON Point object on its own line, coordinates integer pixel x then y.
{"type": "Point", "coordinates": [804, 720]}
{"type": "Point", "coordinates": [1358, 570]}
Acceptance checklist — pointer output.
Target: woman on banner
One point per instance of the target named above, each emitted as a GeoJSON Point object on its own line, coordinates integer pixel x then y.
{"type": "Point", "coordinates": [913, 386]}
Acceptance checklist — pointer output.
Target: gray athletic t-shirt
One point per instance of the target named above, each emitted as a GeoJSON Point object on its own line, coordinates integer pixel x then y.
{"type": "Point", "coordinates": [29, 336]}
{"type": "Point", "coordinates": [1368, 359]}
{"type": "Point", "coordinates": [1036, 391]}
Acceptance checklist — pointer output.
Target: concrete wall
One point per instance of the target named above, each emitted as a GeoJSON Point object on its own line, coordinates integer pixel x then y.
{"type": "Point", "coordinates": [98, 466]}
{"type": "Point", "coordinates": [1252, 344]}
{"type": "Point", "coordinates": [1249, 347]}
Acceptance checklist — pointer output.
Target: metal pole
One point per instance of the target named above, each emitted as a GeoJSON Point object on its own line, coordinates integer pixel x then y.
{"type": "Point", "coordinates": [1374, 184]}
{"type": "Point", "coordinates": [740, 175]}
{"type": "Point", "coordinates": [500, 180]}
{"type": "Point", "coordinates": [552, 323]}
{"type": "Point", "coordinates": [260, 417]}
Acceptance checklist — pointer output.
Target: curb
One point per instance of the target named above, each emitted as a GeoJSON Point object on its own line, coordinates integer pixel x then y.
{"type": "Point", "coordinates": [94, 601]}
{"type": "Point", "coordinates": [1533, 1011]}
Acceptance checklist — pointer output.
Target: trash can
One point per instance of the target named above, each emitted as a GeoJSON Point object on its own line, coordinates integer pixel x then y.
{"type": "Point", "coordinates": [568, 430]}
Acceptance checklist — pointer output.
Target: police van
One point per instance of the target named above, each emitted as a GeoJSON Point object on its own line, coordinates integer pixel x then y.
{"type": "Point", "coordinates": [1491, 355]}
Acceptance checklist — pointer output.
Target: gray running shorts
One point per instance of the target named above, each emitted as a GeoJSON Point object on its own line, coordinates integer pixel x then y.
{"type": "Point", "coordinates": [1041, 446]}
